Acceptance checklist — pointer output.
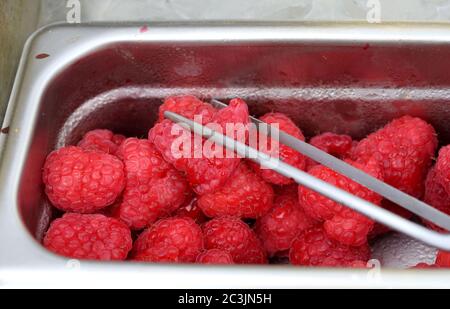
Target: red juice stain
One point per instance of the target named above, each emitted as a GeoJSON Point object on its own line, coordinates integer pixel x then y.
{"type": "Point", "coordinates": [42, 56]}
{"type": "Point", "coordinates": [5, 130]}
{"type": "Point", "coordinates": [143, 29]}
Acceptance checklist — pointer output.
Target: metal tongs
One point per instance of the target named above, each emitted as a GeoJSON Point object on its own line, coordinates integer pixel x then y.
{"type": "Point", "coordinates": [381, 215]}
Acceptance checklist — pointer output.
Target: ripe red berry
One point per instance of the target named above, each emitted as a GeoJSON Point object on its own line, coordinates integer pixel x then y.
{"type": "Point", "coordinates": [187, 106]}
{"type": "Point", "coordinates": [207, 167]}
{"type": "Point", "coordinates": [215, 256]}
{"type": "Point", "coordinates": [234, 236]}
{"type": "Point", "coordinates": [283, 222]}
{"type": "Point", "coordinates": [341, 223]}
{"type": "Point", "coordinates": [245, 195]}
{"type": "Point", "coordinates": [436, 196]}
{"type": "Point", "coordinates": [154, 189]}
{"type": "Point", "coordinates": [443, 259]}
{"type": "Point", "coordinates": [89, 236]}
{"type": "Point", "coordinates": [380, 229]}
{"type": "Point", "coordinates": [169, 240]}
{"type": "Point", "coordinates": [285, 153]}
{"type": "Point", "coordinates": [118, 139]}
{"type": "Point", "coordinates": [314, 248]}
{"type": "Point", "coordinates": [338, 145]}
{"type": "Point", "coordinates": [359, 264]}
{"type": "Point", "coordinates": [404, 149]}
{"type": "Point", "coordinates": [442, 168]}
{"type": "Point", "coordinates": [191, 210]}
{"type": "Point", "coordinates": [82, 181]}
{"type": "Point", "coordinates": [424, 266]}
{"type": "Point", "coordinates": [101, 140]}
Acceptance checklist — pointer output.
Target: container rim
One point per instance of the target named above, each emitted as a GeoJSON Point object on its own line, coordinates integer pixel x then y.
{"type": "Point", "coordinates": [24, 261]}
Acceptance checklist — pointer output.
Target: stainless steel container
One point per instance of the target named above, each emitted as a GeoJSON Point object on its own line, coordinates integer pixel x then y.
{"type": "Point", "coordinates": [18, 18]}
{"type": "Point", "coordinates": [349, 78]}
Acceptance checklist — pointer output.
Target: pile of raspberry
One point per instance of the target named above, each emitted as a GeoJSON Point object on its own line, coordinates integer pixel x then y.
{"type": "Point", "coordinates": [154, 199]}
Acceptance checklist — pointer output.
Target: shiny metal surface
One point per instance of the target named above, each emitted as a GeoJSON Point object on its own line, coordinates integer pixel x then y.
{"type": "Point", "coordinates": [18, 18]}
{"type": "Point", "coordinates": [349, 79]}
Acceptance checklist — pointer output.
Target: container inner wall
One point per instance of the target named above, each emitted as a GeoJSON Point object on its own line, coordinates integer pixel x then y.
{"type": "Point", "coordinates": [351, 89]}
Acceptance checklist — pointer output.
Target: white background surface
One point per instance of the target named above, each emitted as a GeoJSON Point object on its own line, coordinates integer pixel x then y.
{"type": "Point", "coordinates": [325, 10]}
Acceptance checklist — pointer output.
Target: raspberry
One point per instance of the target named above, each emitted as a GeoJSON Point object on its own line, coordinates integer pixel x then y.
{"type": "Point", "coordinates": [192, 211]}
{"type": "Point", "coordinates": [153, 189]}
{"type": "Point", "coordinates": [112, 211]}
{"type": "Point", "coordinates": [187, 106]}
{"type": "Point", "coordinates": [283, 222]}
{"type": "Point", "coordinates": [443, 168]}
{"type": "Point", "coordinates": [215, 256]}
{"type": "Point", "coordinates": [101, 140]}
{"type": "Point", "coordinates": [142, 160]}
{"type": "Point", "coordinates": [436, 196]}
{"type": "Point", "coordinates": [404, 149]}
{"type": "Point", "coordinates": [314, 248]}
{"type": "Point", "coordinates": [234, 236]}
{"type": "Point", "coordinates": [341, 223]}
{"type": "Point", "coordinates": [204, 173]}
{"type": "Point", "coordinates": [82, 181]}
{"type": "Point", "coordinates": [358, 264]}
{"type": "Point", "coordinates": [118, 139]}
{"type": "Point", "coordinates": [334, 144]}
{"type": "Point", "coordinates": [443, 259]}
{"type": "Point", "coordinates": [380, 229]}
{"type": "Point", "coordinates": [424, 266]}
{"type": "Point", "coordinates": [92, 236]}
{"type": "Point", "coordinates": [245, 195]}
{"type": "Point", "coordinates": [287, 154]}
{"type": "Point", "coordinates": [169, 240]}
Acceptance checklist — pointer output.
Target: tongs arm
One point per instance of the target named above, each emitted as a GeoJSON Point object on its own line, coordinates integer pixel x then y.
{"type": "Point", "coordinates": [362, 206]}
{"type": "Point", "coordinates": [387, 191]}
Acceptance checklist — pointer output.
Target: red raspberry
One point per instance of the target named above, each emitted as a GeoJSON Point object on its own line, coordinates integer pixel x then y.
{"type": "Point", "coordinates": [341, 223]}
{"type": "Point", "coordinates": [334, 144]}
{"type": "Point", "coordinates": [142, 160]}
{"type": "Point", "coordinates": [404, 149]}
{"type": "Point", "coordinates": [424, 266]}
{"type": "Point", "coordinates": [187, 106]}
{"type": "Point", "coordinates": [287, 154]}
{"type": "Point", "coordinates": [215, 256]}
{"type": "Point", "coordinates": [283, 222]}
{"type": "Point", "coordinates": [118, 139]}
{"type": "Point", "coordinates": [169, 240]}
{"type": "Point", "coordinates": [358, 264]}
{"type": "Point", "coordinates": [314, 248]}
{"type": "Point", "coordinates": [82, 181]}
{"type": "Point", "coordinates": [154, 188]}
{"type": "Point", "coordinates": [443, 259]}
{"type": "Point", "coordinates": [112, 211]}
{"type": "Point", "coordinates": [380, 229]}
{"type": "Point", "coordinates": [245, 195]}
{"type": "Point", "coordinates": [101, 140]}
{"type": "Point", "coordinates": [192, 211]}
{"type": "Point", "coordinates": [205, 174]}
{"type": "Point", "coordinates": [436, 196]}
{"type": "Point", "coordinates": [95, 236]}
{"type": "Point", "coordinates": [234, 236]}
{"type": "Point", "coordinates": [443, 168]}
